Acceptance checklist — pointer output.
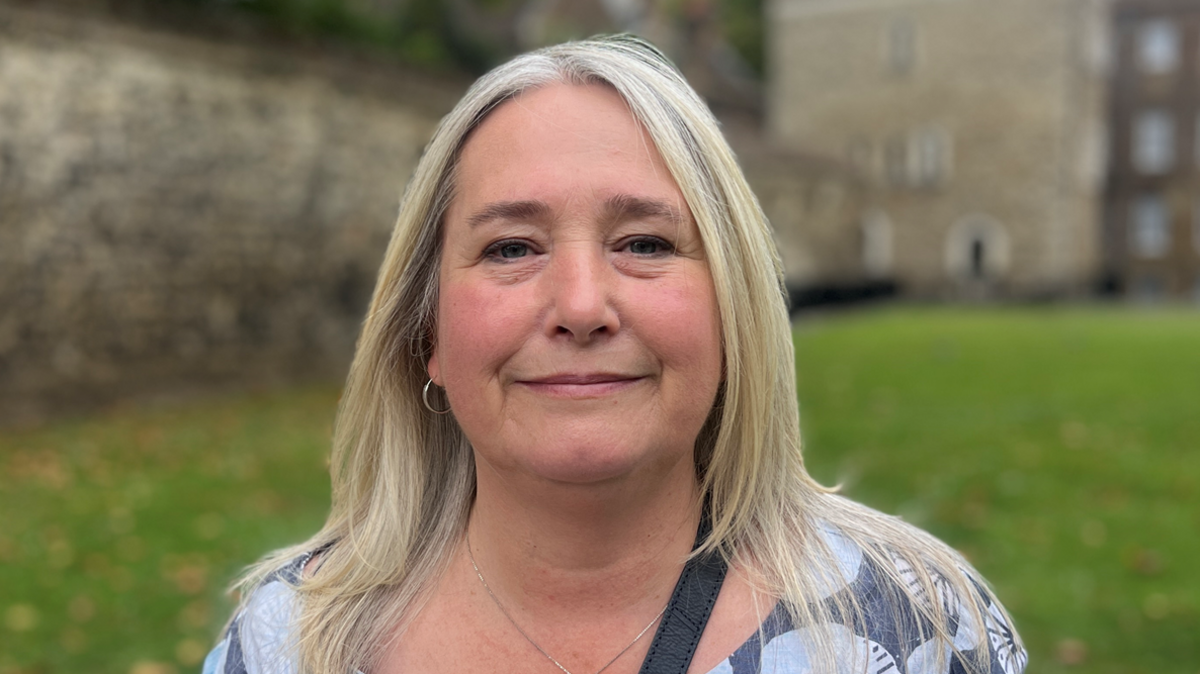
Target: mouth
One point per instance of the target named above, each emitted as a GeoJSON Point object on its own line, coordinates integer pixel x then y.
{"type": "Point", "coordinates": [581, 385]}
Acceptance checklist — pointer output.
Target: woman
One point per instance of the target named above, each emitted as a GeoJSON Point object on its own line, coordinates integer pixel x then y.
{"type": "Point", "coordinates": [576, 375]}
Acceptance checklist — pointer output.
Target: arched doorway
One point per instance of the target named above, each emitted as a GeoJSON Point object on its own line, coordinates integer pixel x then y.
{"type": "Point", "coordinates": [978, 250]}
{"type": "Point", "coordinates": [877, 244]}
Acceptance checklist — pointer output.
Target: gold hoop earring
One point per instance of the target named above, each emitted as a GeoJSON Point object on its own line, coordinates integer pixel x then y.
{"type": "Point", "coordinates": [425, 399]}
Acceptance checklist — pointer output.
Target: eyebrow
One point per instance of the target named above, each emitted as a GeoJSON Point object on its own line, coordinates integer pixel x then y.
{"type": "Point", "coordinates": [510, 210]}
{"type": "Point", "coordinates": [627, 207]}
{"type": "Point", "coordinates": [618, 208]}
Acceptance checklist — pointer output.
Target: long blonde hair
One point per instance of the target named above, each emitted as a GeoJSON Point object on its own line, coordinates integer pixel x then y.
{"type": "Point", "coordinates": [403, 478]}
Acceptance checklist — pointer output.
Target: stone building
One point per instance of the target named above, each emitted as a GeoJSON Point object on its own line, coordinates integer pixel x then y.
{"type": "Point", "coordinates": [979, 125]}
{"type": "Point", "coordinates": [1152, 202]}
{"type": "Point", "coordinates": [811, 202]}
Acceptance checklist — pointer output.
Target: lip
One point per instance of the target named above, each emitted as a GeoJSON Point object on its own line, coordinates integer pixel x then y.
{"type": "Point", "coordinates": [581, 385]}
{"type": "Point", "coordinates": [581, 379]}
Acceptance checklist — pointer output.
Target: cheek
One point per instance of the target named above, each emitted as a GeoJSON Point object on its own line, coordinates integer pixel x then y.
{"type": "Point", "coordinates": [478, 329]}
{"type": "Point", "coordinates": [687, 328]}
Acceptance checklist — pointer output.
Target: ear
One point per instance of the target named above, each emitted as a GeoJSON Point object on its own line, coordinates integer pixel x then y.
{"type": "Point", "coordinates": [434, 368]}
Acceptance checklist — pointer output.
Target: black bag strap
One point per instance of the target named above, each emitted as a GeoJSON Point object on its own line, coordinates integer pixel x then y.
{"type": "Point", "coordinates": [688, 610]}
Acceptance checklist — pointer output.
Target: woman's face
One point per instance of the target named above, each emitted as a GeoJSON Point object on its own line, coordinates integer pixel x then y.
{"type": "Point", "coordinates": [578, 338]}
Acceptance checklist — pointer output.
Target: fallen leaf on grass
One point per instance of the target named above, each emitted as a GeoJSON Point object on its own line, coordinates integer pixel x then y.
{"type": "Point", "coordinates": [188, 573]}
{"type": "Point", "coordinates": [151, 667]}
{"type": "Point", "coordinates": [81, 609]}
{"type": "Point", "coordinates": [191, 579]}
{"type": "Point", "coordinates": [43, 467]}
{"type": "Point", "coordinates": [1145, 561]}
{"type": "Point", "coordinates": [1156, 606]}
{"type": "Point", "coordinates": [190, 652]}
{"type": "Point", "coordinates": [1071, 652]}
{"type": "Point", "coordinates": [21, 617]}
{"type": "Point", "coordinates": [195, 615]}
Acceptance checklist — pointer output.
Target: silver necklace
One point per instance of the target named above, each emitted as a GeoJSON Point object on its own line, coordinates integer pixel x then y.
{"type": "Point", "coordinates": [533, 643]}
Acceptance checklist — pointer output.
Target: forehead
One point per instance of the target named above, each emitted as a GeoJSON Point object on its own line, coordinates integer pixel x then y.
{"type": "Point", "coordinates": [562, 137]}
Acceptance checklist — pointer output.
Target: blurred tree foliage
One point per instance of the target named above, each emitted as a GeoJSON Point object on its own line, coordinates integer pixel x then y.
{"type": "Point", "coordinates": [742, 22]}
{"type": "Point", "coordinates": [445, 33]}
{"type": "Point", "coordinates": [419, 32]}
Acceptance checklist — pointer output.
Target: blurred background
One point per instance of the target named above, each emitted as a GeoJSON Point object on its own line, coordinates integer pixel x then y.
{"type": "Point", "coordinates": [988, 210]}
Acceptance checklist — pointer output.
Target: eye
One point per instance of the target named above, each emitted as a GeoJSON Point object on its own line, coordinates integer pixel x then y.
{"type": "Point", "coordinates": [509, 249]}
{"type": "Point", "coordinates": [648, 245]}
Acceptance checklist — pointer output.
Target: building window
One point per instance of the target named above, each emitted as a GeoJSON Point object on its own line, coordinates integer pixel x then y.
{"type": "Point", "coordinates": [930, 157]}
{"type": "Point", "coordinates": [920, 158]}
{"type": "Point", "coordinates": [1157, 46]}
{"type": "Point", "coordinates": [1153, 141]}
{"type": "Point", "coordinates": [1150, 226]}
{"type": "Point", "coordinates": [877, 244]}
{"type": "Point", "coordinates": [901, 50]}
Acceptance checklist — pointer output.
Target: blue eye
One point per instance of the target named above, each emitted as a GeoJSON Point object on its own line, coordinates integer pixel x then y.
{"type": "Point", "coordinates": [648, 246]}
{"type": "Point", "coordinates": [507, 250]}
{"type": "Point", "coordinates": [511, 250]}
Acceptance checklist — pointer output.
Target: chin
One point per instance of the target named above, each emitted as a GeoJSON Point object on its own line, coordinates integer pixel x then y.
{"type": "Point", "coordinates": [584, 461]}
{"type": "Point", "coordinates": [584, 465]}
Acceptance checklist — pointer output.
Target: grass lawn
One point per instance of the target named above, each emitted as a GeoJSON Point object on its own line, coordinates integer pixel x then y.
{"type": "Point", "coordinates": [119, 533]}
{"type": "Point", "coordinates": [1056, 448]}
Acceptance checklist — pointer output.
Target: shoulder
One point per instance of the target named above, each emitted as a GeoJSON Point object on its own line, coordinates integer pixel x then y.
{"type": "Point", "coordinates": [898, 594]}
{"type": "Point", "coordinates": [891, 632]}
{"type": "Point", "coordinates": [261, 637]}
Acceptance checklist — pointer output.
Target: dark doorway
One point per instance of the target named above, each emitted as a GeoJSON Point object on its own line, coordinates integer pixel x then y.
{"type": "Point", "coordinates": [978, 256]}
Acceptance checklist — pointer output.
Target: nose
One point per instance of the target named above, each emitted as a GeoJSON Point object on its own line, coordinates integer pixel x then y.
{"type": "Point", "coordinates": [581, 286]}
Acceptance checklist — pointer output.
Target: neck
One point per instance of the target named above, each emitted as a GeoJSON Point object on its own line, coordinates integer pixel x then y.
{"type": "Point", "coordinates": [614, 546]}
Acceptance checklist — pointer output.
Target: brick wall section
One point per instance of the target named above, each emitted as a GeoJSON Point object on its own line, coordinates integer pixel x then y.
{"type": "Point", "coordinates": [175, 211]}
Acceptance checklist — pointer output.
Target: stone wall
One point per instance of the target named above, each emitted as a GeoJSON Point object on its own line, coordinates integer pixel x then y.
{"type": "Point", "coordinates": [178, 214]}
{"type": "Point", "coordinates": [181, 213]}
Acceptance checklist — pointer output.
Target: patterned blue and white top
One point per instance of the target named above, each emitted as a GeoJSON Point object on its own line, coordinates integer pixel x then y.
{"type": "Point", "coordinates": [261, 639]}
